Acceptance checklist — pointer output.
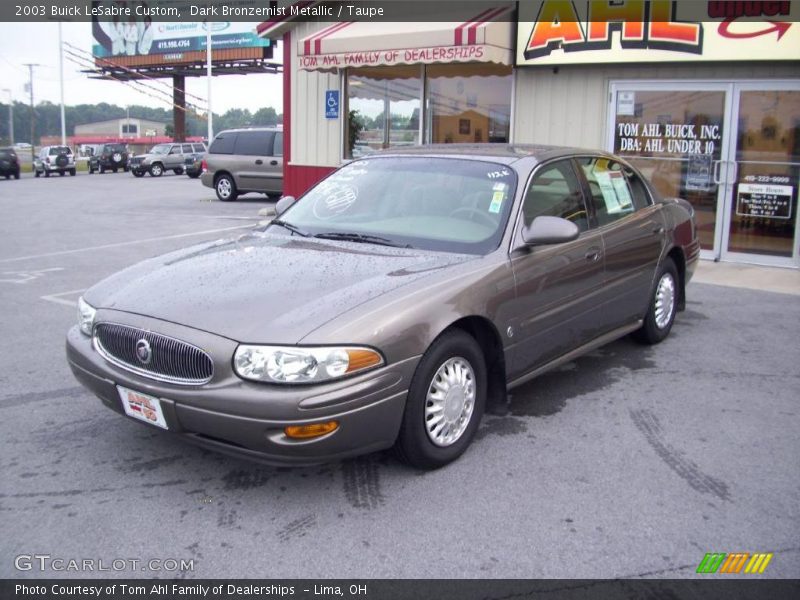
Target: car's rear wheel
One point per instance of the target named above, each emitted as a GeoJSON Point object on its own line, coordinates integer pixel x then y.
{"type": "Point", "coordinates": [137, 173]}
{"type": "Point", "coordinates": [225, 188]}
{"type": "Point", "coordinates": [178, 171]}
{"type": "Point", "coordinates": [61, 173]}
{"type": "Point", "coordinates": [156, 170]}
{"type": "Point", "coordinates": [46, 173]}
{"type": "Point", "coordinates": [663, 306]}
{"type": "Point", "coordinates": [36, 173]}
{"type": "Point", "coordinates": [445, 402]}
{"type": "Point", "coordinates": [72, 172]}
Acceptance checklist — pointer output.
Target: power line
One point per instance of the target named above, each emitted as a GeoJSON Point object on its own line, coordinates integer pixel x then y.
{"type": "Point", "coordinates": [111, 63]}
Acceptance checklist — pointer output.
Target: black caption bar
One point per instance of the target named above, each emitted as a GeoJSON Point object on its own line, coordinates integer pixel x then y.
{"type": "Point", "coordinates": [353, 10]}
{"type": "Point", "coordinates": [469, 589]}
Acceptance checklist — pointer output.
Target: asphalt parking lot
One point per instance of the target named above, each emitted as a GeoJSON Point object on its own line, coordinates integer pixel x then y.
{"type": "Point", "coordinates": [629, 462]}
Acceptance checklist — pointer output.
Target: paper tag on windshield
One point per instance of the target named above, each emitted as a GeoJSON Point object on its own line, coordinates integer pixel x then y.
{"type": "Point", "coordinates": [497, 201]}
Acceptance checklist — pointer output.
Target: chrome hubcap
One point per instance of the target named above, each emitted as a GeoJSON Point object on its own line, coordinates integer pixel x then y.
{"type": "Point", "coordinates": [157, 170]}
{"type": "Point", "coordinates": [224, 188]}
{"type": "Point", "coordinates": [665, 300]}
{"type": "Point", "coordinates": [450, 401]}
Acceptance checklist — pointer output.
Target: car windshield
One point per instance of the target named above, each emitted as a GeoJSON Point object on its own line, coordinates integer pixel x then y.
{"type": "Point", "coordinates": [56, 150]}
{"type": "Point", "coordinates": [446, 204]}
{"type": "Point", "coordinates": [160, 149]}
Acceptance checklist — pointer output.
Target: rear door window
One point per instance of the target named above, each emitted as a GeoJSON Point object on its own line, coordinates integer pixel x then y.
{"type": "Point", "coordinates": [224, 143]}
{"type": "Point", "coordinates": [611, 195]}
{"type": "Point", "coordinates": [254, 143]}
{"type": "Point", "coordinates": [199, 147]}
{"type": "Point", "coordinates": [277, 147]}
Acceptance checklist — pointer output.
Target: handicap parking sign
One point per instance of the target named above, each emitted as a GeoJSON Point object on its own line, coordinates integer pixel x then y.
{"type": "Point", "coordinates": [332, 104]}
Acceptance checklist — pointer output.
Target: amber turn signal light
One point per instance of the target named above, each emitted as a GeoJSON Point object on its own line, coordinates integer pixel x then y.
{"type": "Point", "coordinates": [304, 432]}
{"type": "Point", "coordinates": [361, 359]}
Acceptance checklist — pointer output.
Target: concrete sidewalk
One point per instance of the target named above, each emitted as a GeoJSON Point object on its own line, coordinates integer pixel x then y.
{"type": "Point", "coordinates": [755, 277]}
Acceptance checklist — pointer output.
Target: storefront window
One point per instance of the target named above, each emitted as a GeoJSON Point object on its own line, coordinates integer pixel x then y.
{"type": "Point", "coordinates": [468, 103]}
{"type": "Point", "coordinates": [374, 93]}
{"type": "Point", "coordinates": [465, 103]}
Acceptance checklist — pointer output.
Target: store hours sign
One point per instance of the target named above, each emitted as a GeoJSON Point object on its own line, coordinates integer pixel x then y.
{"type": "Point", "coordinates": [764, 200]}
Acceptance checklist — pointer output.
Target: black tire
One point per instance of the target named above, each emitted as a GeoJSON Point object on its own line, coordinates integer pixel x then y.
{"type": "Point", "coordinates": [46, 173]}
{"type": "Point", "coordinates": [72, 172]}
{"type": "Point", "coordinates": [193, 175]}
{"type": "Point", "coordinates": [91, 171]}
{"type": "Point", "coordinates": [36, 173]}
{"type": "Point", "coordinates": [61, 173]}
{"type": "Point", "coordinates": [8, 176]}
{"type": "Point", "coordinates": [115, 169]}
{"type": "Point", "coordinates": [663, 297]}
{"type": "Point", "coordinates": [414, 442]}
{"type": "Point", "coordinates": [102, 169]}
{"type": "Point", "coordinates": [137, 173]}
{"type": "Point", "coordinates": [225, 188]}
{"type": "Point", "coordinates": [178, 171]}
{"type": "Point", "coordinates": [156, 170]}
{"type": "Point", "coordinates": [16, 175]}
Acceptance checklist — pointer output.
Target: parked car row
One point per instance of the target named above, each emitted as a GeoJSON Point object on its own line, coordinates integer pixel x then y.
{"type": "Point", "coordinates": [238, 162]}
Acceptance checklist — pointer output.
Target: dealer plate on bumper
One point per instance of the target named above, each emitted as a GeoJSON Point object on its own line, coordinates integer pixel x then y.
{"type": "Point", "coordinates": [142, 406]}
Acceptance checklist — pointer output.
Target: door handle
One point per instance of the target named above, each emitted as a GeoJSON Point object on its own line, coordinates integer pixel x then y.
{"type": "Point", "coordinates": [658, 230]}
{"type": "Point", "coordinates": [592, 255]}
{"type": "Point", "coordinates": [259, 162]}
{"type": "Point", "coordinates": [273, 162]}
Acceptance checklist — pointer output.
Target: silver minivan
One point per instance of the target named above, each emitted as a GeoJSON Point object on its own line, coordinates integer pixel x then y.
{"type": "Point", "coordinates": [245, 160]}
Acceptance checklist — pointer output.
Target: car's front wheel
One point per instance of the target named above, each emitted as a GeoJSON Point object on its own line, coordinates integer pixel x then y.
{"type": "Point", "coordinates": [663, 306]}
{"type": "Point", "coordinates": [156, 170]}
{"type": "Point", "coordinates": [445, 402]}
{"type": "Point", "coordinates": [137, 173]}
{"type": "Point", "coordinates": [225, 188]}
{"type": "Point", "coordinates": [178, 171]}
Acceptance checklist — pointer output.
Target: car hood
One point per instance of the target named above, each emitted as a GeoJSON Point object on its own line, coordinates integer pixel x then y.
{"type": "Point", "coordinates": [264, 287]}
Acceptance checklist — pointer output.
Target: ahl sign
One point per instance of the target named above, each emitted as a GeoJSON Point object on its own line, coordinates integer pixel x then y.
{"type": "Point", "coordinates": [554, 32]}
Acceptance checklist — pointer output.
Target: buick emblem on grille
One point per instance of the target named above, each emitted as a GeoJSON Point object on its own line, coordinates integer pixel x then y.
{"type": "Point", "coordinates": [143, 351]}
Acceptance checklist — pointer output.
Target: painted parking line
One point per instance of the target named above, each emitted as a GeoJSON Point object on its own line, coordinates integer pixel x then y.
{"type": "Point", "coordinates": [25, 276]}
{"type": "Point", "coordinates": [57, 298]}
{"type": "Point", "coordinates": [120, 244]}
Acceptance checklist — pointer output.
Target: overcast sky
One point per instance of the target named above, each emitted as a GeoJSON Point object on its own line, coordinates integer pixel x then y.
{"type": "Point", "coordinates": [22, 43]}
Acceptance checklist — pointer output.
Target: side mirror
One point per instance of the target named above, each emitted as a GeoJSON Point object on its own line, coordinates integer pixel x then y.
{"type": "Point", "coordinates": [283, 204]}
{"type": "Point", "coordinates": [549, 230]}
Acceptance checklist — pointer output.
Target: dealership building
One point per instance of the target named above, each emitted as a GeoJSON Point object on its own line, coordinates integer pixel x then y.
{"type": "Point", "coordinates": [706, 103]}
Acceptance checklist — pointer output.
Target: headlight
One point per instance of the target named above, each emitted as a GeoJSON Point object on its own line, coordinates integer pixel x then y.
{"type": "Point", "coordinates": [85, 316]}
{"type": "Point", "coordinates": [293, 364]}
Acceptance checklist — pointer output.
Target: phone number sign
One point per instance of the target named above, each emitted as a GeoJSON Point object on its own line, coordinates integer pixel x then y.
{"type": "Point", "coordinates": [764, 200]}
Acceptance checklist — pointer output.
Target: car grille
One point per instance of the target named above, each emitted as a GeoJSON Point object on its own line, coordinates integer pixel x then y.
{"type": "Point", "coordinates": [172, 361]}
{"type": "Point", "coordinates": [136, 161]}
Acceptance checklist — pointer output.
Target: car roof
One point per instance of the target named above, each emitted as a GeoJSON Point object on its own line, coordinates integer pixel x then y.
{"type": "Point", "coordinates": [504, 153]}
{"type": "Point", "coordinates": [240, 129]}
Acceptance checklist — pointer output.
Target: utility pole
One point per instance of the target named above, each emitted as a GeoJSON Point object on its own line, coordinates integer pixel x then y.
{"type": "Point", "coordinates": [33, 120]}
{"type": "Point", "coordinates": [10, 116]}
{"type": "Point", "coordinates": [61, 80]}
{"type": "Point", "coordinates": [208, 81]}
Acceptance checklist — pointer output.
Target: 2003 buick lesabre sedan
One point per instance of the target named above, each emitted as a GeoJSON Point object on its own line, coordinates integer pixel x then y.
{"type": "Point", "coordinates": [389, 304]}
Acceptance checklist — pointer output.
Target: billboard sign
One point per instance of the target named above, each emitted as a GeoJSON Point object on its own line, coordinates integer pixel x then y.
{"type": "Point", "coordinates": [143, 37]}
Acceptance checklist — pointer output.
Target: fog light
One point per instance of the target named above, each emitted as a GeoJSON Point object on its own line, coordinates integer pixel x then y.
{"type": "Point", "coordinates": [304, 432]}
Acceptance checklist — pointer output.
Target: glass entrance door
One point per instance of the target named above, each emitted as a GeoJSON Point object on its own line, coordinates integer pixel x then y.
{"type": "Point", "coordinates": [731, 149]}
{"type": "Point", "coordinates": [761, 215]}
{"type": "Point", "coordinates": [677, 134]}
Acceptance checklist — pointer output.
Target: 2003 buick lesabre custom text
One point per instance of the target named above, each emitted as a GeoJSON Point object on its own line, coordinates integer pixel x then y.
{"type": "Point", "coordinates": [389, 304]}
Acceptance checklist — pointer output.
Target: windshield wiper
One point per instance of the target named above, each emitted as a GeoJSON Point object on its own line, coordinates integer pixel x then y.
{"type": "Point", "coordinates": [361, 238]}
{"type": "Point", "coordinates": [290, 227]}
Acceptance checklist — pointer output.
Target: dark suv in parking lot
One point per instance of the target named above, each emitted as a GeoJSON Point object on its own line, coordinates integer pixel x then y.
{"type": "Point", "coordinates": [9, 163]}
{"type": "Point", "coordinates": [109, 157]}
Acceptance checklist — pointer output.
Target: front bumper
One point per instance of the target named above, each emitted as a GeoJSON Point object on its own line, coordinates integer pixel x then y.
{"type": "Point", "coordinates": [247, 419]}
